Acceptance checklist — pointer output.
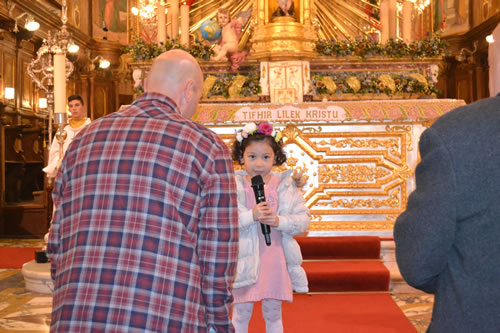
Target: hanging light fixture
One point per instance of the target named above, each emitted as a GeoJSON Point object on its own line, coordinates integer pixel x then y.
{"type": "Point", "coordinates": [420, 5]}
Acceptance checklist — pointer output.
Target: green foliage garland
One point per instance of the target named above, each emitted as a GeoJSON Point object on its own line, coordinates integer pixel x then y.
{"type": "Point", "coordinates": [431, 47]}
{"type": "Point", "coordinates": [370, 84]}
{"type": "Point", "coordinates": [141, 50]}
{"type": "Point", "coordinates": [251, 87]}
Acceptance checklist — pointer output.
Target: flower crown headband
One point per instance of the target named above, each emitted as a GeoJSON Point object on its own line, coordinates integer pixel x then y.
{"type": "Point", "coordinates": [263, 128]}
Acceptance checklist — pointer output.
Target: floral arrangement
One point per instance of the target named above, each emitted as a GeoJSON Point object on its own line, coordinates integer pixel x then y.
{"type": "Point", "coordinates": [251, 87]}
{"type": "Point", "coordinates": [263, 128]}
{"type": "Point", "coordinates": [141, 50]}
{"type": "Point", "coordinates": [389, 83]}
{"type": "Point", "coordinates": [431, 47]}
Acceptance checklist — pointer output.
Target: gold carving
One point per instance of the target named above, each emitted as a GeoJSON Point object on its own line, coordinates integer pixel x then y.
{"type": "Point", "coordinates": [352, 174]}
{"type": "Point", "coordinates": [353, 83]}
{"type": "Point", "coordinates": [388, 82]}
{"type": "Point", "coordinates": [208, 84]}
{"type": "Point", "coordinates": [235, 88]}
{"type": "Point", "coordinates": [392, 202]}
{"type": "Point", "coordinates": [403, 173]}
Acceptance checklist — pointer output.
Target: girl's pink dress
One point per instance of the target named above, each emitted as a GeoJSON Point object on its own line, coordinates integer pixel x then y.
{"type": "Point", "coordinates": [273, 280]}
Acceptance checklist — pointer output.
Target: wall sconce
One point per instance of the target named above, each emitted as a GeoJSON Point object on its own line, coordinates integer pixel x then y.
{"type": "Point", "coordinates": [73, 47]}
{"type": "Point", "coordinates": [42, 103]}
{"type": "Point", "coordinates": [103, 63]}
{"type": "Point", "coordinates": [490, 39]}
{"type": "Point", "coordinates": [9, 93]}
{"type": "Point", "coordinates": [30, 23]}
{"type": "Point", "coordinates": [461, 56]}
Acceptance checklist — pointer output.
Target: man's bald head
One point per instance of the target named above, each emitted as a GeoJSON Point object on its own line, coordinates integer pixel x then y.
{"type": "Point", "coordinates": [176, 74]}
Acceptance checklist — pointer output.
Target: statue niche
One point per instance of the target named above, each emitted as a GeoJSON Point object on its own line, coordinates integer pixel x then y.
{"type": "Point", "coordinates": [284, 10]}
{"type": "Point", "coordinates": [284, 30]}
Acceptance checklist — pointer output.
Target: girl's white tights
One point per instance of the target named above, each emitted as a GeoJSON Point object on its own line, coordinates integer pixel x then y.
{"type": "Point", "coordinates": [271, 311]}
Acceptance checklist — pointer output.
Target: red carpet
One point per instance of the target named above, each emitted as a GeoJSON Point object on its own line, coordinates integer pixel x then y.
{"type": "Point", "coordinates": [346, 275]}
{"type": "Point", "coordinates": [345, 247]}
{"type": "Point", "coordinates": [344, 264]}
{"type": "Point", "coordinates": [343, 313]}
{"type": "Point", "coordinates": [15, 257]}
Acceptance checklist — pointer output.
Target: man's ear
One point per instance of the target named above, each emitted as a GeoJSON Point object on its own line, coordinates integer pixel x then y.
{"type": "Point", "coordinates": [189, 90]}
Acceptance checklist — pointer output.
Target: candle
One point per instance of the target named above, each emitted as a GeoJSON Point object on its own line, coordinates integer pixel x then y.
{"type": "Point", "coordinates": [174, 9]}
{"type": "Point", "coordinates": [59, 83]}
{"type": "Point", "coordinates": [184, 24]}
{"type": "Point", "coordinates": [384, 21]}
{"type": "Point", "coordinates": [162, 34]}
{"type": "Point", "coordinates": [407, 11]}
{"type": "Point", "coordinates": [393, 19]}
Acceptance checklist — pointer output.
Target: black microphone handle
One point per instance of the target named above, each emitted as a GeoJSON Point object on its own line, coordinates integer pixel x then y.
{"type": "Point", "coordinates": [266, 230]}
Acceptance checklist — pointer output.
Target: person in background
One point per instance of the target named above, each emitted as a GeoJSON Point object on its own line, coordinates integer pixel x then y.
{"type": "Point", "coordinates": [146, 237]}
{"type": "Point", "coordinates": [447, 240]}
{"type": "Point", "coordinates": [266, 273]}
{"type": "Point", "coordinates": [77, 122]}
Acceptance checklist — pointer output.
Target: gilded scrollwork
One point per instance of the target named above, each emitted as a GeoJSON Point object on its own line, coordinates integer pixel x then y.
{"type": "Point", "coordinates": [392, 202]}
{"type": "Point", "coordinates": [405, 128]}
{"type": "Point", "coordinates": [358, 173]}
{"type": "Point", "coordinates": [351, 174]}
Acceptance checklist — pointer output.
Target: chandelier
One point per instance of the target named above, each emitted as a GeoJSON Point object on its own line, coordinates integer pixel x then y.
{"type": "Point", "coordinates": [420, 5]}
{"type": "Point", "coordinates": [146, 9]}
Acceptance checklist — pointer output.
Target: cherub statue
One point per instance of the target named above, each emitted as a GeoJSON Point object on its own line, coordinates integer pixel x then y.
{"type": "Point", "coordinates": [285, 8]}
{"type": "Point", "coordinates": [227, 49]}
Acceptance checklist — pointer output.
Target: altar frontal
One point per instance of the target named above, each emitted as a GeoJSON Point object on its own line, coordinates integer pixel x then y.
{"type": "Point", "coordinates": [359, 156]}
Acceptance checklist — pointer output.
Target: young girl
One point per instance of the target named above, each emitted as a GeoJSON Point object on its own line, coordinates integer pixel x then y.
{"type": "Point", "coordinates": [266, 273]}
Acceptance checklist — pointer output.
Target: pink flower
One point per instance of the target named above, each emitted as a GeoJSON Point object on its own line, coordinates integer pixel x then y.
{"type": "Point", "coordinates": [266, 128]}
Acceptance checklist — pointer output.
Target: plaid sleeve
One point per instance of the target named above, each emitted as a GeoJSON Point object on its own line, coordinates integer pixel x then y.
{"type": "Point", "coordinates": [218, 242]}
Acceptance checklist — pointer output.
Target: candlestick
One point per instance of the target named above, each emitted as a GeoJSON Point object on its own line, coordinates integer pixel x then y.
{"type": "Point", "coordinates": [184, 24]}
{"type": "Point", "coordinates": [162, 34]}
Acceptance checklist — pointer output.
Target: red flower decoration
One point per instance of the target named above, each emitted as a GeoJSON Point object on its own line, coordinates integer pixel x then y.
{"type": "Point", "coordinates": [266, 128]}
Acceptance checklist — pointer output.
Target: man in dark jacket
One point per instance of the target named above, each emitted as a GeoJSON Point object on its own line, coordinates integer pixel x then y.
{"type": "Point", "coordinates": [448, 239]}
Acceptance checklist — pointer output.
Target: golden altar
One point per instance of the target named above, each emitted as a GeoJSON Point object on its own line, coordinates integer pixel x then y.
{"type": "Point", "coordinates": [344, 118]}
{"type": "Point", "coordinates": [359, 156]}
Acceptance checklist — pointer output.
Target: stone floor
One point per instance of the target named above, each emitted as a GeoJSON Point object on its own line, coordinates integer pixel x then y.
{"type": "Point", "coordinates": [28, 312]}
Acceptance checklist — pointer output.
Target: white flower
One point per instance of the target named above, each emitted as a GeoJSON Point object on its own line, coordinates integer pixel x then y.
{"type": "Point", "coordinates": [250, 128]}
{"type": "Point", "coordinates": [239, 137]}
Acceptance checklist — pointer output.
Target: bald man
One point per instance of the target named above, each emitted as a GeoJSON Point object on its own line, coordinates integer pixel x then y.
{"type": "Point", "coordinates": [145, 239]}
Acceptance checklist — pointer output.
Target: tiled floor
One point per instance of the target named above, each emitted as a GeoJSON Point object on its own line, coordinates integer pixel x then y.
{"type": "Point", "coordinates": [28, 312]}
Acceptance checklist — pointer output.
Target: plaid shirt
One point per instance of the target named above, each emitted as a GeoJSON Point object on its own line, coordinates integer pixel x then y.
{"type": "Point", "coordinates": [145, 234]}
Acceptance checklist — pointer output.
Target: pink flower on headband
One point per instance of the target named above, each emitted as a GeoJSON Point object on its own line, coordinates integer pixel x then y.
{"type": "Point", "coordinates": [266, 129]}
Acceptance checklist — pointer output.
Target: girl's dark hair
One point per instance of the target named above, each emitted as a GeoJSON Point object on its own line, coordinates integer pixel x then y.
{"type": "Point", "coordinates": [239, 148]}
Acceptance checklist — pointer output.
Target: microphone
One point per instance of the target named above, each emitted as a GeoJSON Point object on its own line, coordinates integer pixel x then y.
{"type": "Point", "coordinates": [258, 191]}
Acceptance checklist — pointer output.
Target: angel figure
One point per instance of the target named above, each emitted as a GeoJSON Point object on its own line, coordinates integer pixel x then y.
{"type": "Point", "coordinates": [227, 49]}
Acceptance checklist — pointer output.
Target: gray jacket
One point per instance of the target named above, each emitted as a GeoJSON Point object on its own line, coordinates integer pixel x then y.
{"type": "Point", "coordinates": [448, 239]}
